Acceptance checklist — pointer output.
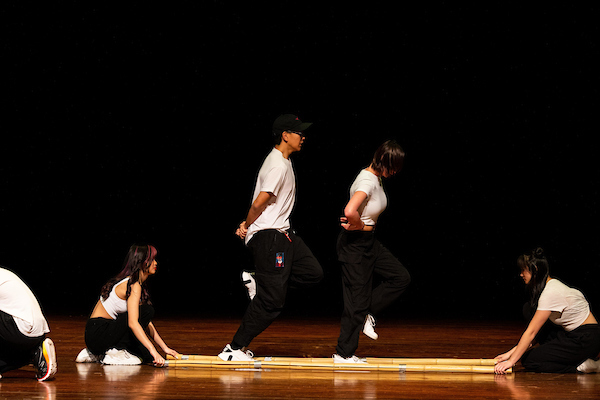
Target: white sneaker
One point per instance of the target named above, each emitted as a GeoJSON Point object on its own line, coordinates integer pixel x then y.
{"type": "Point", "coordinates": [369, 328]}
{"type": "Point", "coordinates": [120, 357]}
{"type": "Point", "coordinates": [589, 366]}
{"type": "Point", "coordinates": [350, 360]}
{"type": "Point", "coordinates": [250, 283]}
{"type": "Point", "coordinates": [85, 356]}
{"type": "Point", "coordinates": [228, 354]}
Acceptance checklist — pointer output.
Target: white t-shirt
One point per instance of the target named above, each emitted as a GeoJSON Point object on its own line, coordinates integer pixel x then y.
{"type": "Point", "coordinates": [18, 300]}
{"type": "Point", "coordinates": [569, 307]}
{"type": "Point", "coordinates": [276, 176]}
{"type": "Point", "coordinates": [376, 200]}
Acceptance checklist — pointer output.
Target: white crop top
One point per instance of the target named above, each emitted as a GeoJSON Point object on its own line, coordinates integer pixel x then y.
{"type": "Point", "coordinates": [376, 200]}
{"type": "Point", "coordinates": [569, 307]}
{"type": "Point", "coordinates": [114, 305]}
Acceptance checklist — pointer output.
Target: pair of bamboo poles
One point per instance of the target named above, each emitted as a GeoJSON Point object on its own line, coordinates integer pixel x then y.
{"type": "Point", "coordinates": [472, 365]}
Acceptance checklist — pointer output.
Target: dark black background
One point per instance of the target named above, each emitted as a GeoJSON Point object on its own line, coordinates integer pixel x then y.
{"type": "Point", "coordinates": [135, 122]}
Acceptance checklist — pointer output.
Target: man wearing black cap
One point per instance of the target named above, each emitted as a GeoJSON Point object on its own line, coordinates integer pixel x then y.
{"type": "Point", "coordinates": [280, 257]}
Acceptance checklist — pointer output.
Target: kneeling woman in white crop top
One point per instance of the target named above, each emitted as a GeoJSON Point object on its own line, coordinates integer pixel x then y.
{"type": "Point", "coordinates": [115, 333]}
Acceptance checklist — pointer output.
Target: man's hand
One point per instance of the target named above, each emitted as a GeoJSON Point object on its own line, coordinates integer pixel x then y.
{"type": "Point", "coordinates": [242, 230]}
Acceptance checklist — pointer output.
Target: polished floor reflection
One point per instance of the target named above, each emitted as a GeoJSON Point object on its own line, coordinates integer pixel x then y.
{"type": "Point", "coordinates": [309, 338]}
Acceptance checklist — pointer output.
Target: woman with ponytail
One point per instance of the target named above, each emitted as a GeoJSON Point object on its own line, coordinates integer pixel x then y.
{"type": "Point", "coordinates": [115, 333]}
{"type": "Point", "coordinates": [573, 348]}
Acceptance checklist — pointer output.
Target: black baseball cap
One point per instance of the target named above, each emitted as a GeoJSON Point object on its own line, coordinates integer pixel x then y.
{"type": "Point", "coordinates": [289, 122]}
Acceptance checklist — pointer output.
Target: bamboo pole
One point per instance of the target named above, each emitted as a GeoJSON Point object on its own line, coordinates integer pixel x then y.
{"type": "Point", "coordinates": [297, 363]}
{"type": "Point", "coordinates": [370, 360]}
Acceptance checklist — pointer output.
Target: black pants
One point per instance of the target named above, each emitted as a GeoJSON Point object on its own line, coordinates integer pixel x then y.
{"type": "Point", "coordinates": [362, 256]}
{"type": "Point", "coordinates": [103, 334]}
{"type": "Point", "coordinates": [562, 351]}
{"type": "Point", "coordinates": [280, 260]}
{"type": "Point", "coordinates": [16, 349]}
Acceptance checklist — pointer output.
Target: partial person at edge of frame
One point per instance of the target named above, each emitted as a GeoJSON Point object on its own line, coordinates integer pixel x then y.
{"type": "Point", "coordinates": [23, 329]}
{"type": "Point", "coordinates": [115, 333]}
{"type": "Point", "coordinates": [362, 255]}
{"type": "Point", "coordinates": [280, 256]}
{"type": "Point", "coordinates": [573, 348]}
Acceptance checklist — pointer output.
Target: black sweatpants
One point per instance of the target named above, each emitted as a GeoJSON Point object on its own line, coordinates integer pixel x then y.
{"type": "Point", "coordinates": [362, 256]}
{"type": "Point", "coordinates": [16, 349]}
{"type": "Point", "coordinates": [562, 351]}
{"type": "Point", "coordinates": [103, 334]}
{"type": "Point", "coordinates": [280, 260]}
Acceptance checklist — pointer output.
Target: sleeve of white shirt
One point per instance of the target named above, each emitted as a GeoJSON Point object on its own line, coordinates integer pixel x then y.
{"type": "Point", "coordinates": [364, 185]}
{"type": "Point", "coordinates": [550, 300]}
{"type": "Point", "coordinates": [273, 181]}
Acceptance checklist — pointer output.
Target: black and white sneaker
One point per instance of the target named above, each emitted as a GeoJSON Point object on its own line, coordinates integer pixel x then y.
{"type": "Point", "coordinates": [228, 354]}
{"type": "Point", "coordinates": [249, 282]}
{"type": "Point", "coordinates": [44, 360]}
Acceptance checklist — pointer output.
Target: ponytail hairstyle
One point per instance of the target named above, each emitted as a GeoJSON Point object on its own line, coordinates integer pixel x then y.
{"type": "Point", "coordinates": [388, 157]}
{"type": "Point", "coordinates": [536, 263]}
{"type": "Point", "coordinates": [138, 259]}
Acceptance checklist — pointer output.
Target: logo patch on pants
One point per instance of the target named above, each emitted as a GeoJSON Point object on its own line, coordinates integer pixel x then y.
{"type": "Point", "coordinates": [279, 260]}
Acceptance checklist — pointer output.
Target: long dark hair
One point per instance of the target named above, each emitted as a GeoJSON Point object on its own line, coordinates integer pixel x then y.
{"type": "Point", "coordinates": [138, 259]}
{"type": "Point", "coordinates": [536, 263]}
{"type": "Point", "coordinates": [389, 156]}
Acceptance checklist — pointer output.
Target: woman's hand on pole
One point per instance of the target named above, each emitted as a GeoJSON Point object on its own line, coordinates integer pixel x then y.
{"type": "Point", "coordinates": [158, 361]}
{"type": "Point", "coordinates": [172, 353]}
{"type": "Point", "coordinates": [502, 366]}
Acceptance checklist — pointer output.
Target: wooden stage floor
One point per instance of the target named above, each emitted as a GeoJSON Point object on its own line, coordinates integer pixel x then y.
{"type": "Point", "coordinates": [299, 338]}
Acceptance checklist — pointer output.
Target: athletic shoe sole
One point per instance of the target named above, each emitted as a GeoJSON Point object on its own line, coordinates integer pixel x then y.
{"type": "Point", "coordinates": [49, 356]}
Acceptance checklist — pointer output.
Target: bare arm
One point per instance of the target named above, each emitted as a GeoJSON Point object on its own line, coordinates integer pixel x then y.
{"type": "Point", "coordinates": [133, 312]}
{"type": "Point", "coordinates": [256, 209]}
{"type": "Point", "coordinates": [351, 220]}
{"type": "Point", "coordinates": [153, 333]}
{"type": "Point", "coordinates": [514, 355]}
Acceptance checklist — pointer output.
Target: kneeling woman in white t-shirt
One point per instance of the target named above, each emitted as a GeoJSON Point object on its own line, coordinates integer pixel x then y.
{"type": "Point", "coordinates": [573, 348]}
{"type": "Point", "coordinates": [115, 333]}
